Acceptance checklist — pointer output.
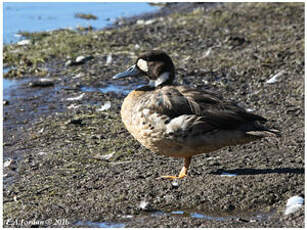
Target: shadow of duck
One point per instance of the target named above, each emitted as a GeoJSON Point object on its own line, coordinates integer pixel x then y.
{"type": "Point", "coordinates": [251, 171]}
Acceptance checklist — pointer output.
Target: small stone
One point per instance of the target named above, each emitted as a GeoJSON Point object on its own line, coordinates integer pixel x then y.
{"type": "Point", "coordinates": [294, 204]}
{"type": "Point", "coordinates": [175, 184]}
{"type": "Point", "coordinates": [68, 63]}
{"type": "Point", "coordinates": [79, 75]}
{"type": "Point", "coordinates": [43, 82]}
{"type": "Point", "coordinates": [72, 106]}
{"type": "Point", "coordinates": [109, 59]}
{"type": "Point", "coordinates": [105, 107]}
{"type": "Point", "coordinates": [24, 42]}
{"type": "Point", "coordinates": [6, 102]}
{"type": "Point", "coordinates": [207, 53]}
{"type": "Point", "coordinates": [148, 22]}
{"type": "Point", "coordinates": [144, 205]}
{"type": "Point", "coordinates": [82, 59]}
{"type": "Point", "coordinates": [76, 98]}
{"type": "Point", "coordinates": [127, 216]}
{"type": "Point", "coordinates": [242, 220]}
{"type": "Point", "coordinates": [140, 22]}
{"type": "Point", "coordinates": [8, 163]}
{"type": "Point", "coordinates": [275, 78]}
{"type": "Point", "coordinates": [107, 156]}
{"type": "Point", "coordinates": [75, 121]}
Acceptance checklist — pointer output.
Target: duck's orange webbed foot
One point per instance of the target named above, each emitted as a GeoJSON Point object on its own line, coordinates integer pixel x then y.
{"type": "Point", "coordinates": [184, 171]}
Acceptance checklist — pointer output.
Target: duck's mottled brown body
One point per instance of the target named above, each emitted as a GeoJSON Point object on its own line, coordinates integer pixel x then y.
{"type": "Point", "coordinates": [182, 122]}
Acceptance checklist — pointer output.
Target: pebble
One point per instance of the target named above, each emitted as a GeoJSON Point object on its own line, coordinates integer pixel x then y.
{"type": "Point", "coordinates": [275, 78]}
{"type": "Point", "coordinates": [140, 22]}
{"type": "Point", "coordinates": [6, 102]}
{"type": "Point", "coordinates": [8, 163]}
{"type": "Point", "coordinates": [41, 153]}
{"type": "Point", "coordinates": [242, 220]}
{"type": "Point", "coordinates": [75, 121]}
{"type": "Point", "coordinates": [175, 183]}
{"type": "Point", "coordinates": [144, 205]}
{"type": "Point", "coordinates": [82, 59]}
{"type": "Point", "coordinates": [68, 63]}
{"type": "Point", "coordinates": [43, 82]}
{"type": "Point", "coordinates": [143, 22]}
{"type": "Point", "coordinates": [105, 107]}
{"type": "Point", "coordinates": [79, 75]}
{"type": "Point", "coordinates": [127, 216]}
{"type": "Point", "coordinates": [250, 110]}
{"type": "Point", "coordinates": [107, 156]}
{"type": "Point", "coordinates": [24, 42]}
{"type": "Point", "coordinates": [76, 98]}
{"type": "Point", "coordinates": [72, 106]}
{"type": "Point", "coordinates": [109, 59]}
{"type": "Point", "coordinates": [207, 53]}
{"type": "Point", "coordinates": [78, 61]}
{"type": "Point", "coordinates": [294, 204]}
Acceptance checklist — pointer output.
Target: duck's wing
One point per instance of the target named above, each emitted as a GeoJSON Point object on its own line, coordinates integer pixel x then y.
{"type": "Point", "coordinates": [217, 111]}
{"type": "Point", "coordinates": [200, 109]}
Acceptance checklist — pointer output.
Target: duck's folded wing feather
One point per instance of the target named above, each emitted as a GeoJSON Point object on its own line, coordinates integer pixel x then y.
{"type": "Point", "coordinates": [208, 110]}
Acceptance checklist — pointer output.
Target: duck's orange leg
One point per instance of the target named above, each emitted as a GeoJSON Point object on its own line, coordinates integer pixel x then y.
{"type": "Point", "coordinates": [183, 172]}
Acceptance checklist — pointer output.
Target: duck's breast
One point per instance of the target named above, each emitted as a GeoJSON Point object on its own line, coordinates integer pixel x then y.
{"type": "Point", "coordinates": [145, 124]}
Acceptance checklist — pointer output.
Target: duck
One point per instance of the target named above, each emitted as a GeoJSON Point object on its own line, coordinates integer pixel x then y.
{"type": "Point", "coordinates": [179, 121]}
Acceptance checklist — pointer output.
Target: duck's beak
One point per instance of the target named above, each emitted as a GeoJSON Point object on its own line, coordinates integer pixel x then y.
{"type": "Point", "coordinates": [131, 71]}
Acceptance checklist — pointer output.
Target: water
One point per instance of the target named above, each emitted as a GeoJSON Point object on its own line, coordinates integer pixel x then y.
{"type": "Point", "coordinates": [119, 89]}
{"type": "Point", "coordinates": [8, 82]}
{"type": "Point", "coordinates": [7, 85]}
{"type": "Point", "coordinates": [260, 216]}
{"type": "Point", "coordinates": [100, 224]}
{"type": "Point", "coordinates": [44, 16]}
{"type": "Point", "coordinates": [190, 214]}
{"type": "Point", "coordinates": [245, 217]}
{"type": "Point", "coordinates": [228, 174]}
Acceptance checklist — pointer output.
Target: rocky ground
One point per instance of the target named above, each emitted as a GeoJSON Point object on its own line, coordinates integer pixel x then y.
{"type": "Point", "coordinates": [69, 162]}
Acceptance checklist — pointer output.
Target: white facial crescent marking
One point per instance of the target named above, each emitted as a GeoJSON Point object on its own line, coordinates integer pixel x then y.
{"type": "Point", "coordinates": [142, 64]}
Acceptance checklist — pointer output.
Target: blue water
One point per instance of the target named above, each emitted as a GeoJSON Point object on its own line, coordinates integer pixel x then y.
{"type": "Point", "coordinates": [100, 224]}
{"type": "Point", "coordinates": [45, 16]}
{"type": "Point", "coordinates": [112, 88]}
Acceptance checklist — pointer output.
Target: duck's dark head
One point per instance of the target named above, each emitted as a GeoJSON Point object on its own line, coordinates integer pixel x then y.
{"type": "Point", "coordinates": [156, 65]}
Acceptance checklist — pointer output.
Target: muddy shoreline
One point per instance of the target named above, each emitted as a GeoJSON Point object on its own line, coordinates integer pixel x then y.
{"type": "Point", "coordinates": [71, 163]}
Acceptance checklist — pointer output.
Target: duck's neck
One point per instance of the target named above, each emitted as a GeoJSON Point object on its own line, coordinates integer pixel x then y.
{"type": "Point", "coordinates": [165, 78]}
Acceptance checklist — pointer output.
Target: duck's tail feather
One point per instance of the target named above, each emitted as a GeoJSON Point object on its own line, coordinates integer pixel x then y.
{"type": "Point", "coordinates": [265, 133]}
